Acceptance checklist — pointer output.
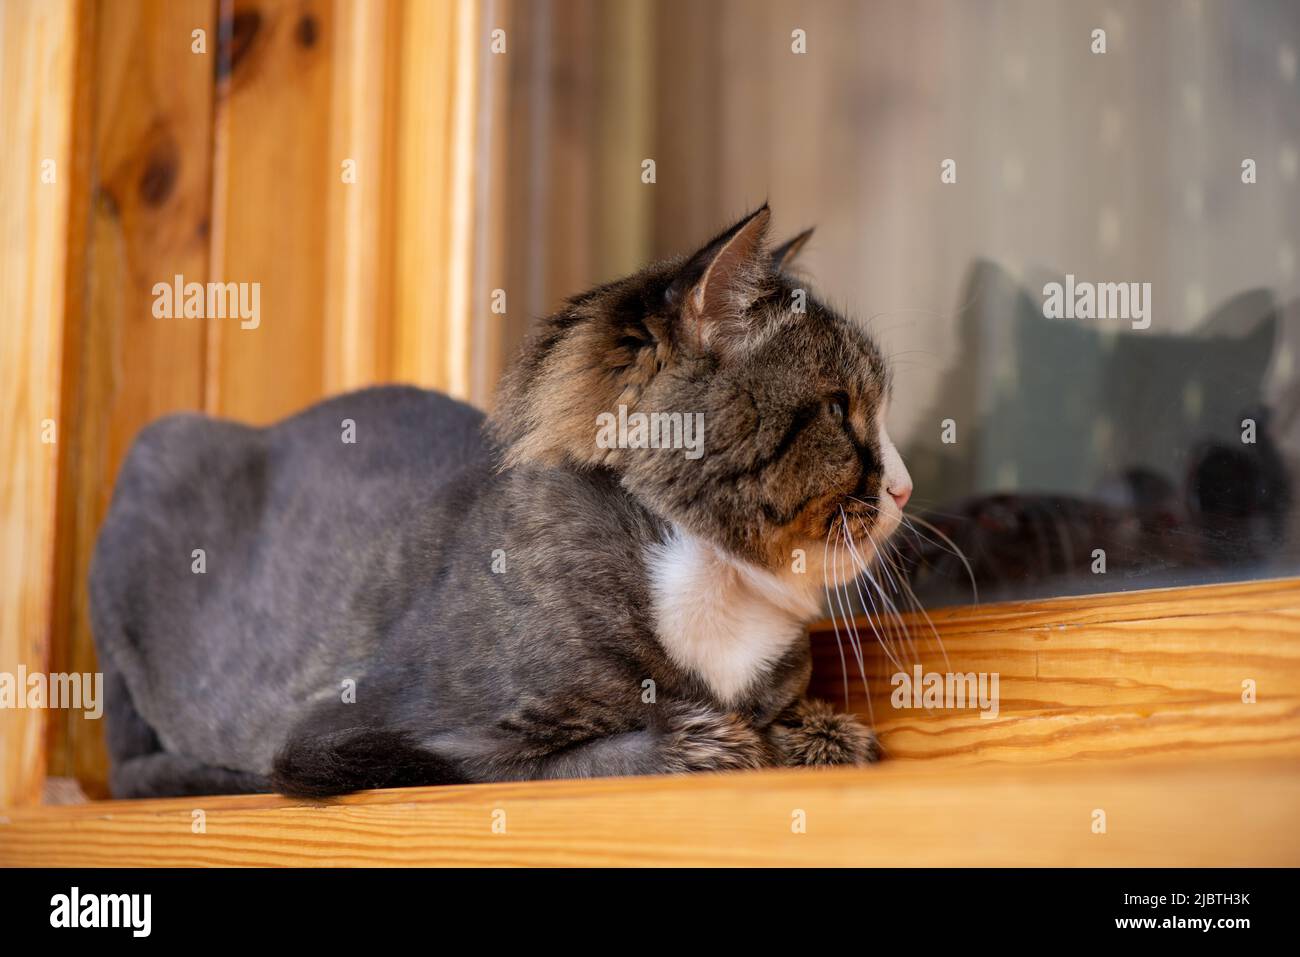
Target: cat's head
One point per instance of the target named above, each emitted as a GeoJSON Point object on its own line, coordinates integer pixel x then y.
{"type": "Point", "coordinates": [791, 396]}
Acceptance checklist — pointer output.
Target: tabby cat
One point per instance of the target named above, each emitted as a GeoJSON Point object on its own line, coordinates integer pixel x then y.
{"type": "Point", "coordinates": [388, 590]}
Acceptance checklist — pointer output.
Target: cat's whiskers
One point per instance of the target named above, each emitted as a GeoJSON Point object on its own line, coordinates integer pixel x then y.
{"type": "Point", "coordinates": [961, 556]}
{"type": "Point", "coordinates": [887, 612]}
{"type": "Point", "coordinates": [875, 611]}
{"type": "Point", "coordinates": [917, 606]}
{"type": "Point", "coordinates": [846, 605]}
{"type": "Point", "coordinates": [866, 598]}
{"type": "Point", "coordinates": [947, 544]}
{"type": "Point", "coordinates": [826, 584]}
{"type": "Point", "coordinates": [898, 579]}
{"type": "Point", "coordinates": [888, 569]}
{"type": "Point", "coordinates": [927, 504]}
{"type": "Point", "coordinates": [857, 646]}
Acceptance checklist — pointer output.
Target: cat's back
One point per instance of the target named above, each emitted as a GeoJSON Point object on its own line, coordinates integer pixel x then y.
{"type": "Point", "coordinates": [391, 430]}
{"type": "Point", "coordinates": [363, 453]}
{"type": "Point", "coordinates": [231, 556]}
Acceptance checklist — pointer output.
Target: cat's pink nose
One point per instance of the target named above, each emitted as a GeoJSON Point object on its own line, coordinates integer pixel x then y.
{"type": "Point", "coordinates": [900, 493]}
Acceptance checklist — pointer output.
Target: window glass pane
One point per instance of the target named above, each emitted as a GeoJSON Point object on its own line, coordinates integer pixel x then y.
{"type": "Point", "coordinates": [1079, 248]}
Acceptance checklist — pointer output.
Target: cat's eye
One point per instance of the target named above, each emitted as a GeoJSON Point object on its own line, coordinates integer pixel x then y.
{"type": "Point", "coordinates": [837, 406]}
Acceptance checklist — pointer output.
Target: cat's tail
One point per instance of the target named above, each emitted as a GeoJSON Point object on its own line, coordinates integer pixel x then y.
{"type": "Point", "coordinates": [317, 765]}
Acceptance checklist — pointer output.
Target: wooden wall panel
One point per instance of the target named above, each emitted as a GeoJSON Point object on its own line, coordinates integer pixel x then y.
{"type": "Point", "coordinates": [38, 41]}
{"type": "Point", "coordinates": [361, 195]}
{"type": "Point", "coordinates": [424, 124]}
{"type": "Point", "coordinates": [365, 281]}
{"type": "Point", "coordinates": [486, 358]}
{"type": "Point", "coordinates": [442, 45]}
{"type": "Point", "coordinates": [273, 173]}
{"type": "Point", "coordinates": [141, 216]}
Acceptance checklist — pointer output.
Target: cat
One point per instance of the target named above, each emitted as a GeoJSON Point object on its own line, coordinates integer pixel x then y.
{"type": "Point", "coordinates": [451, 599]}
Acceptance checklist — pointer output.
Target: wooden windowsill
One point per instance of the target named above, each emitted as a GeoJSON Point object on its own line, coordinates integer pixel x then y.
{"type": "Point", "coordinates": [1147, 675]}
{"type": "Point", "coordinates": [900, 814]}
{"type": "Point", "coordinates": [1127, 704]}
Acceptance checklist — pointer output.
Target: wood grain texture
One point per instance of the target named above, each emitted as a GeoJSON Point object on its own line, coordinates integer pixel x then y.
{"type": "Point", "coordinates": [1226, 814]}
{"type": "Point", "coordinates": [358, 300]}
{"type": "Point", "coordinates": [37, 86]}
{"type": "Point", "coordinates": [1151, 674]}
{"type": "Point", "coordinates": [273, 173]}
{"type": "Point", "coordinates": [442, 43]}
{"type": "Point", "coordinates": [487, 358]}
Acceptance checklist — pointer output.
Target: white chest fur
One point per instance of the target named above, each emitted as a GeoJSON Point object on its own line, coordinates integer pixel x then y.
{"type": "Point", "coordinates": [723, 619]}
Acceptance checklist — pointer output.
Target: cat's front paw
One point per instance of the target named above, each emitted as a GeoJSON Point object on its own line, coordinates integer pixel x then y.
{"type": "Point", "coordinates": [812, 733]}
{"type": "Point", "coordinates": [702, 739]}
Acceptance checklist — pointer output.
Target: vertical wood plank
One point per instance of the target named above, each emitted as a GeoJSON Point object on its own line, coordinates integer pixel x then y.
{"type": "Point", "coordinates": [359, 301]}
{"type": "Point", "coordinates": [273, 171]}
{"type": "Point", "coordinates": [442, 43]}
{"type": "Point", "coordinates": [487, 358]}
{"type": "Point", "coordinates": [141, 215]}
{"type": "Point", "coordinates": [37, 81]}
{"type": "Point", "coordinates": [422, 176]}
{"type": "Point", "coordinates": [468, 44]}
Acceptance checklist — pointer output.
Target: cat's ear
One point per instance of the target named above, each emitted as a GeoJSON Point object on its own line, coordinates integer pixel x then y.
{"type": "Point", "coordinates": [784, 255]}
{"type": "Point", "coordinates": [716, 286]}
